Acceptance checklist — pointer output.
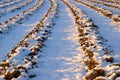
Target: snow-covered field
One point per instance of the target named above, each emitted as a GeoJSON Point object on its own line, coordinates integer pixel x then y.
{"type": "Point", "coordinates": [60, 39]}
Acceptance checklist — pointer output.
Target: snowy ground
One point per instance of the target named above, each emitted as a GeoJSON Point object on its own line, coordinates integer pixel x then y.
{"type": "Point", "coordinates": [60, 59]}
{"type": "Point", "coordinates": [43, 41]}
{"type": "Point", "coordinates": [13, 37]}
{"type": "Point", "coordinates": [107, 29]}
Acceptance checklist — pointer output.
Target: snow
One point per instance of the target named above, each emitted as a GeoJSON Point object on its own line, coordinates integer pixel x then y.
{"type": "Point", "coordinates": [13, 37]}
{"type": "Point", "coordinates": [58, 41]}
{"type": "Point", "coordinates": [60, 59]}
{"type": "Point", "coordinates": [111, 37]}
{"type": "Point", "coordinates": [106, 29]}
{"type": "Point", "coordinates": [10, 3]}
{"type": "Point", "coordinates": [115, 11]}
{"type": "Point", "coordinates": [8, 15]}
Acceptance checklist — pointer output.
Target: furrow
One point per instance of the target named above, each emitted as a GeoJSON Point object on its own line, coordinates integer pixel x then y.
{"type": "Point", "coordinates": [93, 45]}
{"type": "Point", "coordinates": [14, 67]}
{"type": "Point", "coordinates": [5, 27]}
{"type": "Point", "coordinates": [115, 18]}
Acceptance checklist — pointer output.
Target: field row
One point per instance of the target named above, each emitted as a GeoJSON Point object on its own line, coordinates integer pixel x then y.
{"type": "Point", "coordinates": [35, 19]}
{"type": "Point", "coordinates": [105, 12]}
{"type": "Point", "coordinates": [13, 67]}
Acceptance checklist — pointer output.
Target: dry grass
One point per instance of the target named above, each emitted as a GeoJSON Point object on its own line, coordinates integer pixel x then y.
{"type": "Point", "coordinates": [91, 63]}
{"type": "Point", "coordinates": [94, 74]}
{"type": "Point", "coordinates": [10, 75]}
